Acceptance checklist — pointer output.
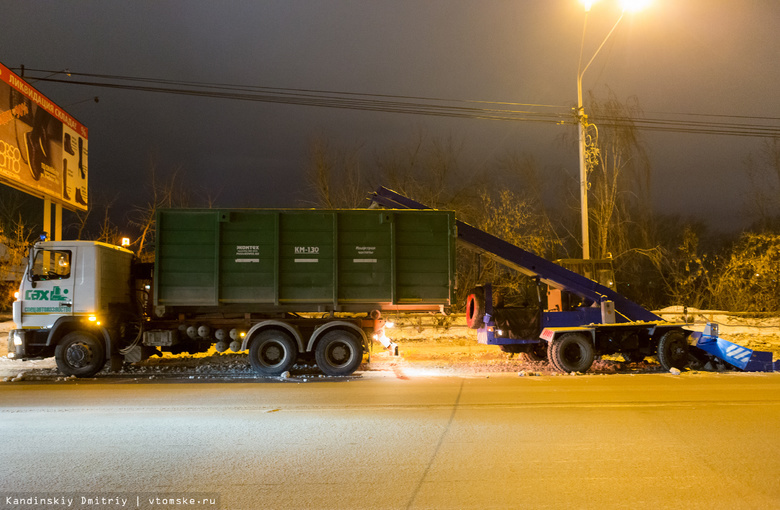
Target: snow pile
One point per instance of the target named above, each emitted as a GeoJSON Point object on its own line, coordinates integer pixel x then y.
{"type": "Point", "coordinates": [757, 331]}
{"type": "Point", "coordinates": [429, 345]}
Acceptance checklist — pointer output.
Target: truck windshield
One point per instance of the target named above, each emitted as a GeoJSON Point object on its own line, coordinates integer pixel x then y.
{"type": "Point", "coordinates": [51, 265]}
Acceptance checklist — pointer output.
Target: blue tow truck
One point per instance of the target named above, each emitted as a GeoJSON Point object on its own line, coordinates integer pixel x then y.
{"type": "Point", "coordinates": [580, 317]}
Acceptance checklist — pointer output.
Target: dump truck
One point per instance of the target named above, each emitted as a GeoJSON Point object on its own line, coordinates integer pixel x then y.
{"type": "Point", "coordinates": [578, 316]}
{"type": "Point", "coordinates": [283, 285]}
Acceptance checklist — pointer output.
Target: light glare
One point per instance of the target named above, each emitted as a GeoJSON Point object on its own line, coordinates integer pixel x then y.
{"type": "Point", "coordinates": [634, 5]}
{"type": "Point", "coordinates": [588, 4]}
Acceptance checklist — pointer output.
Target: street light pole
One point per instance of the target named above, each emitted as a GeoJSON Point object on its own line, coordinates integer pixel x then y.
{"type": "Point", "coordinates": [582, 121]}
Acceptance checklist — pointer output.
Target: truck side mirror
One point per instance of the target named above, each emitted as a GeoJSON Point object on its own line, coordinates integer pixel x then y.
{"type": "Point", "coordinates": [30, 266]}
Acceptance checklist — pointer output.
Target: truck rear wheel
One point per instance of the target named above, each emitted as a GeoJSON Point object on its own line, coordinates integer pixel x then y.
{"type": "Point", "coordinates": [339, 353]}
{"type": "Point", "coordinates": [571, 352]}
{"type": "Point", "coordinates": [475, 308]}
{"type": "Point", "coordinates": [673, 350]}
{"type": "Point", "coordinates": [80, 353]}
{"type": "Point", "coordinates": [272, 353]}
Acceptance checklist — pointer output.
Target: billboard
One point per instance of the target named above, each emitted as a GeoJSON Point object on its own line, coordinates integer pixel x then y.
{"type": "Point", "coordinates": [43, 150]}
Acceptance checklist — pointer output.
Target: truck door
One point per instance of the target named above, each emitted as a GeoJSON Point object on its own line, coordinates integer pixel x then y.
{"type": "Point", "coordinates": [49, 288]}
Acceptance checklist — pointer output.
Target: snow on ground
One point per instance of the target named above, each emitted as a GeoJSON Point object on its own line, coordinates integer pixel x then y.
{"type": "Point", "coordinates": [757, 331]}
{"type": "Point", "coordinates": [429, 345]}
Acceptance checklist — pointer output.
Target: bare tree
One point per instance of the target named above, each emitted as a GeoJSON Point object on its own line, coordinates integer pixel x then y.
{"type": "Point", "coordinates": [763, 173]}
{"type": "Point", "coordinates": [620, 181]}
{"type": "Point", "coordinates": [163, 192]}
{"type": "Point", "coordinates": [749, 279]}
{"type": "Point", "coordinates": [335, 176]}
{"type": "Point", "coordinates": [687, 270]}
{"type": "Point", "coordinates": [96, 222]}
{"type": "Point", "coordinates": [428, 169]}
{"type": "Point", "coordinates": [15, 238]}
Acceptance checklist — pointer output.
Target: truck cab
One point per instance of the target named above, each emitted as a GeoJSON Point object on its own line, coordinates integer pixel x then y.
{"type": "Point", "coordinates": [66, 288]}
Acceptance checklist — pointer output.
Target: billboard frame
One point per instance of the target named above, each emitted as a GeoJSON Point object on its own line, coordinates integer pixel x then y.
{"type": "Point", "coordinates": [43, 149]}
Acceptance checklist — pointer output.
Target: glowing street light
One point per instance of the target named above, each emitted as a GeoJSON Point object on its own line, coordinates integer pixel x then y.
{"type": "Point", "coordinates": [582, 119]}
{"type": "Point", "coordinates": [634, 5]}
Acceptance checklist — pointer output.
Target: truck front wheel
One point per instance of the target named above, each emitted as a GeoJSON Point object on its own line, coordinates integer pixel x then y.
{"type": "Point", "coordinates": [80, 353]}
{"type": "Point", "coordinates": [571, 352]}
{"type": "Point", "coordinates": [673, 350]}
{"type": "Point", "coordinates": [339, 353]}
{"type": "Point", "coordinates": [272, 353]}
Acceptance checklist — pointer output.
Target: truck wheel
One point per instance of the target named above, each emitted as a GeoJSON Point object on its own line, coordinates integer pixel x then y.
{"type": "Point", "coordinates": [272, 353]}
{"type": "Point", "coordinates": [673, 350]}
{"type": "Point", "coordinates": [339, 353]}
{"type": "Point", "coordinates": [80, 353]}
{"type": "Point", "coordinates": [475, 308]}
{"type": "Point", "coordinates": [571, 352]}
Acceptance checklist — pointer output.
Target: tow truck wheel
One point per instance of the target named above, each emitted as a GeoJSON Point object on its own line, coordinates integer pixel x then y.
{"type": "Point", "coordinates": [571, 352]}
{"type": "Point", "coordinates": [272, 353]}
{"type": "Point", "coordinates": [80, 353]}
{"type": "Point", "coordinates": [673, 350]}
{"type": "Point", "coordinates": [475, 308]}
{"type": "Point", "coordinates": [339, 353]}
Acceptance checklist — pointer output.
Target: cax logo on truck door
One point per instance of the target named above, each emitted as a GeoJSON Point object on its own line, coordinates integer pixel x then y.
{"type": "Point", "coordinates": [56, 294]}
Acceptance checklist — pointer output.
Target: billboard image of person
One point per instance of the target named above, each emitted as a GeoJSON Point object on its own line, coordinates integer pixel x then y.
{"type": "Point", "coordinates": [43, 150]}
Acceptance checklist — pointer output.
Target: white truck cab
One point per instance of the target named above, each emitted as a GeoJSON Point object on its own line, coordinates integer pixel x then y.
{"type": "Point", "coordinates": [66, 288]}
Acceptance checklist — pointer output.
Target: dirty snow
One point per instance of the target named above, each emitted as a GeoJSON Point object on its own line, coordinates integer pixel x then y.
{"type": "Point", "coordinates": [429, 345]}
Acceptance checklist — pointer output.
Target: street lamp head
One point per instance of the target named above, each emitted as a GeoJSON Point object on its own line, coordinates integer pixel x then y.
{"type": "Point", "coordinates": [634, 5]}
{"type": "Point", "coordinates": [588, 4]}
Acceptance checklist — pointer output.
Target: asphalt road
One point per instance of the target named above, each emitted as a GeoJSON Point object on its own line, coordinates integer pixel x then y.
{"type": "Point", "coordinates": [396, 440]}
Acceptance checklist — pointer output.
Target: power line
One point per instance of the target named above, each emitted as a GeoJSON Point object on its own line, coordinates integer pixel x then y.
{"type": "Point", "coordinates": [334, 101]}
{"type": "Point", "coordinates": [421, 105]}
{"type": "Point", "coordinates": [281, 89]}
{"type": "Point", "coordinates": [673, 126]}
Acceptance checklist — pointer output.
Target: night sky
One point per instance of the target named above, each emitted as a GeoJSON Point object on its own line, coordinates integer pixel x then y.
{"type": "Point", "coordinates": [676, 56]}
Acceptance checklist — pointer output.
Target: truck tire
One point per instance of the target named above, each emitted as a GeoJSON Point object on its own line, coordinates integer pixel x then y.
{"type": "Point", "coordinates": [673, 350]}
{"type": "Point", "coordinates": [571, 352]}
{"type": "Point", "coordinates": [338, 353]}
{"type": "Point", "coordinates": [475, 308]}
{"type": "Point", "coordinates": [80, 353]}
{"type": "Point", "coordinates": [272, 353]}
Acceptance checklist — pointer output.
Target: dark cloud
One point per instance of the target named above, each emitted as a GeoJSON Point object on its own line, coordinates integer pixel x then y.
{"type": "Point", "coordinates": [699, 56]}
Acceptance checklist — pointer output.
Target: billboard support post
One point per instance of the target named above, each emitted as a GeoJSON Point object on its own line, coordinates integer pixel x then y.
{"type": "Point", "coordinates": [47, 217]}
{"type": "Point", "coordinates": [57, 222]}
{"type": "Point", "coordinates": [53, 229]}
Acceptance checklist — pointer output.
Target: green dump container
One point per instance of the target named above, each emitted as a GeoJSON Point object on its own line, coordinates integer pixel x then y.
{"type": "Point", "coordinates": [305, 260]}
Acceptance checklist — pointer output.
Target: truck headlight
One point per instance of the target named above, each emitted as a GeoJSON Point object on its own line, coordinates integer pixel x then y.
{"type": "Point", "coordinates": [16, 337]}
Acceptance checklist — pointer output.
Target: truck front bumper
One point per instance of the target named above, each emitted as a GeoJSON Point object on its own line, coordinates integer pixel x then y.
{"type": "Point", "coordinates": [28, 343]}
